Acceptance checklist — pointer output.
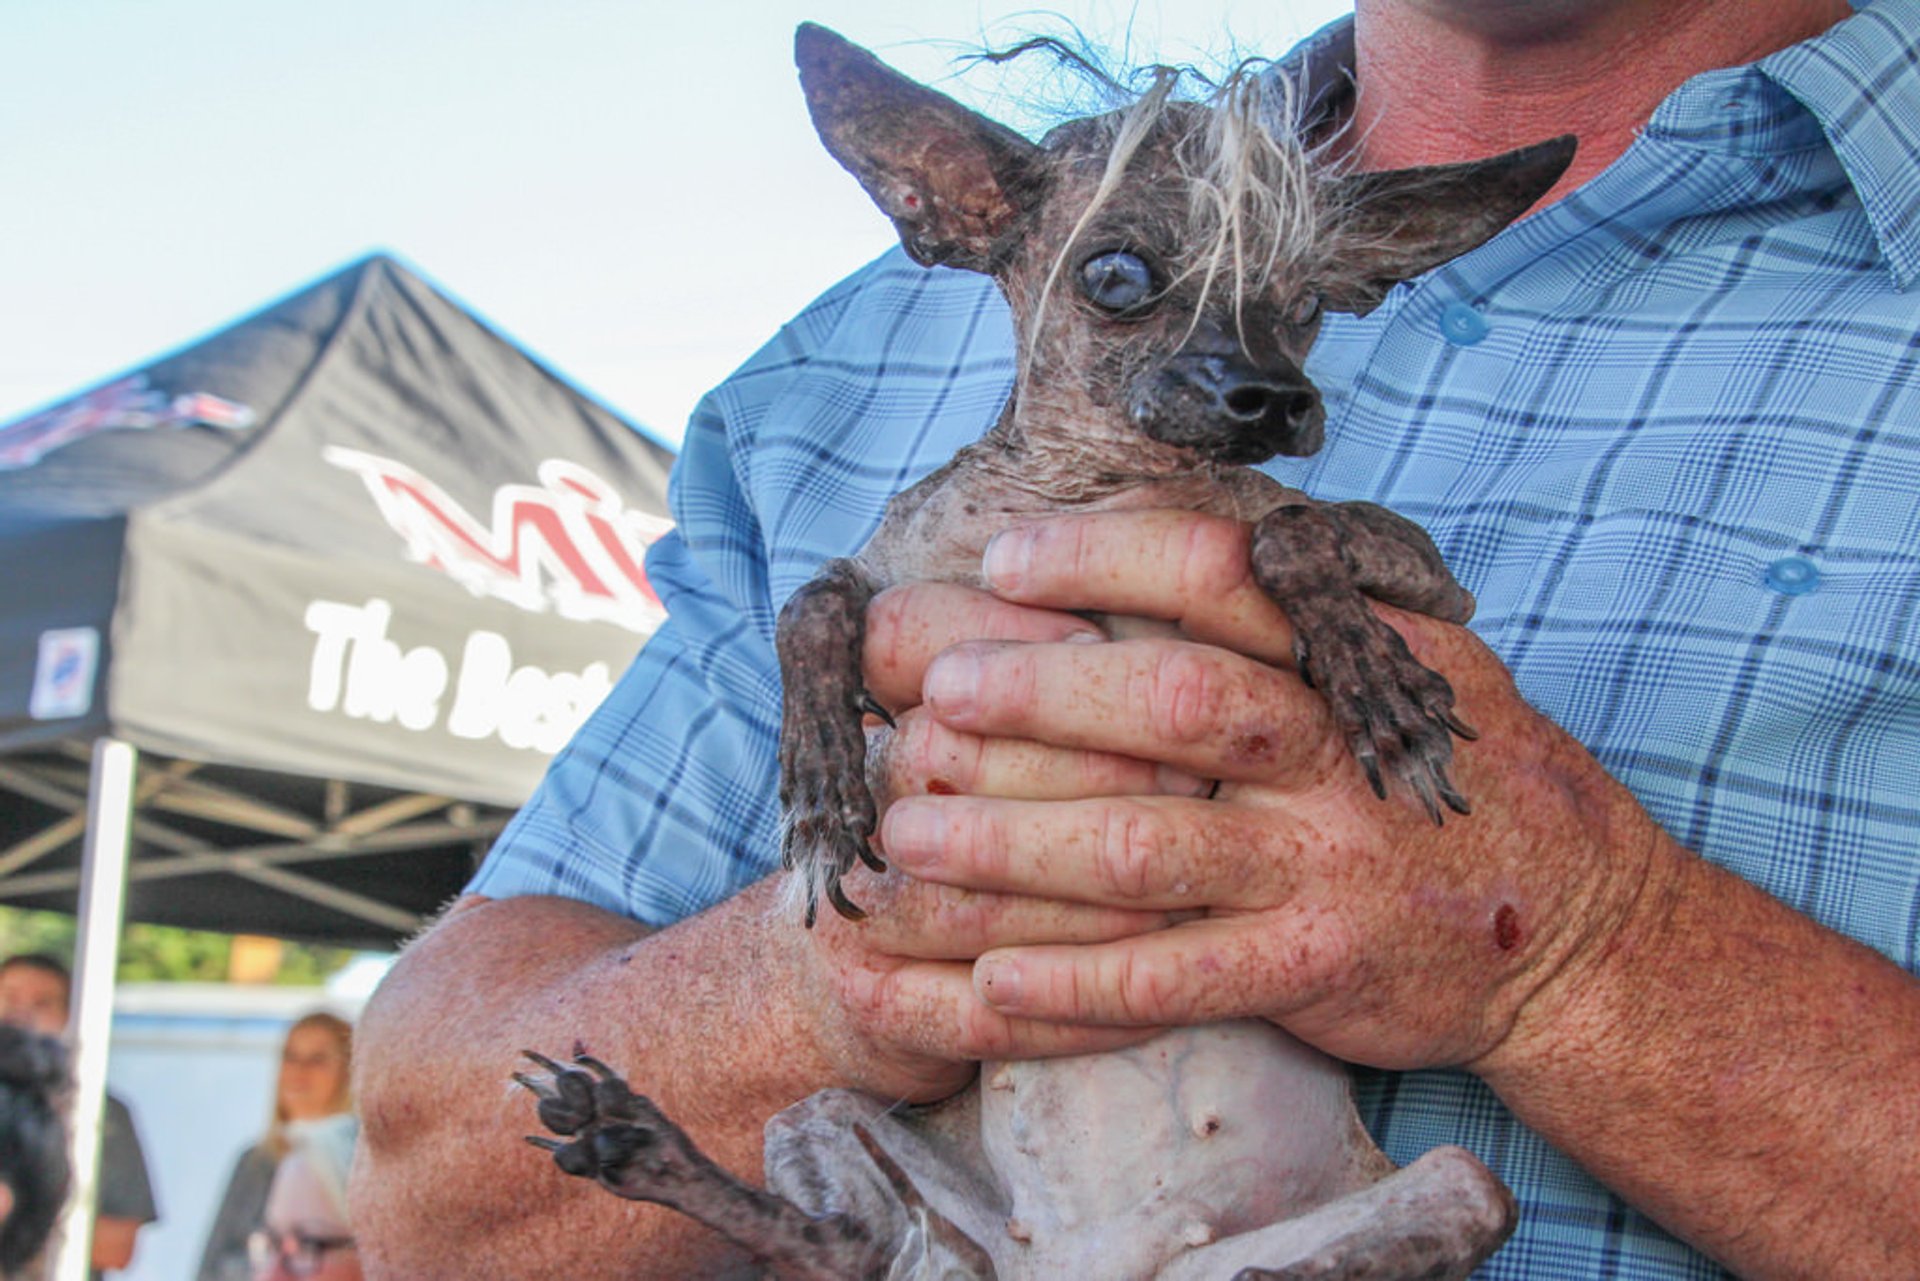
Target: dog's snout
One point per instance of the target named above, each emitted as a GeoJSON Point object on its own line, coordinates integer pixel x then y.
{"type": "Point", "coordinates": [1231, 409]}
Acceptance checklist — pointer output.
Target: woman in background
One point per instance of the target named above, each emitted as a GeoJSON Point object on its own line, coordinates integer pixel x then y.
{"type": "Point", "coordinates": [315, 1074]}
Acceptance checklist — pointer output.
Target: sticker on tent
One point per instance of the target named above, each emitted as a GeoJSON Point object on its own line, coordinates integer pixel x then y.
{"type": "Point", "coordinates": [63, 675]}
{"type": "Point", "coordinates": [126, 405]}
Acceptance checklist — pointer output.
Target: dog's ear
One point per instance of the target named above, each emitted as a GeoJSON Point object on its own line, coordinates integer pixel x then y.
{"type": "Point", "coordinates": [955, 183]}
{"type": "Point", "coordinates": [1399, 223]}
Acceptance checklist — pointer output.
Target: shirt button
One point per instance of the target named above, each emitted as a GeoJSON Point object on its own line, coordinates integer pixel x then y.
{"type": "Point", "coordinates": [1462, 325]}
{"type": "Point", "coordinates": [1793, 576]}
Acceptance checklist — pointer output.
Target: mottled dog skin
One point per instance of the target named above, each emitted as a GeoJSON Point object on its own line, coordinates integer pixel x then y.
{"type": "Point", "coordinates": [1166, 266]}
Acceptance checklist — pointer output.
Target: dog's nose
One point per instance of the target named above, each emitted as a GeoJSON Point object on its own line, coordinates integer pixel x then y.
{"type": "Point", "coordinates": [1253, 402]}
{"type": "Point", "coordinates": [1229, 408]}
{"type": "Point", "coordinates": [1275, 418]}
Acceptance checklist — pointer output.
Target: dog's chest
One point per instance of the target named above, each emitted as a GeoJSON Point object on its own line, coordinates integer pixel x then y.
{"type": "Point", "coordinates": [937, 530]}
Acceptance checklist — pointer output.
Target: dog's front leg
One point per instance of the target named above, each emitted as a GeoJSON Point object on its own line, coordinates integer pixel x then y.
{"type": "Point", "coordinates": [829, 811]}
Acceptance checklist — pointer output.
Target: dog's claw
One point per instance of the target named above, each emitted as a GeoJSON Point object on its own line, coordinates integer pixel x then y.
{"type": "Point", "coordinates": [595, 1066]}
{"type": "Point", "coordinates": [842, 904]}
{"type": "Point", "coordinates": [1370, 762]}
{"type": "Point", "coordinates": [544, 1062]}
{"type": "Point", "coordinates": [871, 706]}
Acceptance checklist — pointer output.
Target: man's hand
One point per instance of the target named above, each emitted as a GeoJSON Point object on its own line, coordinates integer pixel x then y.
{"type": "Point", "coordinates": [1358, 924]}
{"type": "Point", "coordinates": [1689, 1039]}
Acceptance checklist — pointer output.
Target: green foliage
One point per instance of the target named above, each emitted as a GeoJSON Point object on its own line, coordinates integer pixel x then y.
{"type": "Point", "coordinates": [162, 953]}
{"type": "Point", "coordinates": [305, 964]}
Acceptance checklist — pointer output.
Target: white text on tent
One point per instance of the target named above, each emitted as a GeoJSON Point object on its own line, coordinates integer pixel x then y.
{"type": "Point", "coordinates": [359, 671]}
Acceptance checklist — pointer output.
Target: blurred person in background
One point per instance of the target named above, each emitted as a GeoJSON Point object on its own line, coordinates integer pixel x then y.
{"type": "Point", "coordinates": [34, 1175]}
{"type": "Point", "coordinates": [315, 1082]}
{"type": "Point", "coordinates": [36, 992]}
{"type": "Point", "coordinates": [307, 1232]}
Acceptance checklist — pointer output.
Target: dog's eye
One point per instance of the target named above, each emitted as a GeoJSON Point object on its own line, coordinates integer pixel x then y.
{"type": "Point", "coordinates": [1306, 311]}
{"type": "Point", "coordinates": [1116, 280]}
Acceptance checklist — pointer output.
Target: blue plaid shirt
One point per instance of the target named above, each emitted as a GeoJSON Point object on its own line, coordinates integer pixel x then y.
{"type": "Point", "coordinates": [1667, 431]}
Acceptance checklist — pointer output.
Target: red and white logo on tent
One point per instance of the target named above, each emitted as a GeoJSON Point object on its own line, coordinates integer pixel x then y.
{"type": "Point", "coordinates": [569, 544]}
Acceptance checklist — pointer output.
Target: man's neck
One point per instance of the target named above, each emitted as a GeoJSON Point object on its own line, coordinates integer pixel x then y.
{"type": "Point", "coordinates": [1451, 80]}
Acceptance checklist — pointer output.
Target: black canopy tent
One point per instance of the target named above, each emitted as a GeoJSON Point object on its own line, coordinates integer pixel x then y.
{"type": "Point", "coordinates": [345, 574]}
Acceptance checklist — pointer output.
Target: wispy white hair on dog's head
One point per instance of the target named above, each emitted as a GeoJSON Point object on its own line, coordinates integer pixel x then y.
{"type": "Point", "coordinates": [1246, 193]}
{"type": "Point", "coordinates": [1251, 187]}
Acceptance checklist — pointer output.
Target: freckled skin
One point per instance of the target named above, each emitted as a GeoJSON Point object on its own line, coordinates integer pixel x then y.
{"type": "Point", "coordinates": [1251, 748]}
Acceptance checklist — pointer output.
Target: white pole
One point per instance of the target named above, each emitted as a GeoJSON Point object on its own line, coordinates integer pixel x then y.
{"type": "Point", "coordinates": [103, 887]}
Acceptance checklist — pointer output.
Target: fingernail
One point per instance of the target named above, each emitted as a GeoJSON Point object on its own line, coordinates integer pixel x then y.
{"type": "Point", "coordinates": [997, 981]}
{"type": "Point", "coordinates": [1007, 560]}
{"type": "Point", "coordinates": [913, 833]}
{"type": "Point", "coordinates": [951, 682]}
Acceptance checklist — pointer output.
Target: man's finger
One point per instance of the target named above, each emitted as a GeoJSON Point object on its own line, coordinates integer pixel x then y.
{"type": "Point", "coordinates": [908, 625]}
{"type": "Point", "coordinates": [1204, 710]}
{"type": "Point", "coordinates": [929, 1008]}
{"type": "Point", "coordinates": [1170, 978]}
{"type": "Point", "coordinates": [1140, 854]}
{"type": "Point", "coordinates": [924, 757]}
{"type": "Point", "coordinates": [1185, 567]}
{"type": "Point", "coordinates": [923, 920]}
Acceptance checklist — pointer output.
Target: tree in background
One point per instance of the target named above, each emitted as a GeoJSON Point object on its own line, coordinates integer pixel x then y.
{"type": "Point", "coordinates": [165, 954]}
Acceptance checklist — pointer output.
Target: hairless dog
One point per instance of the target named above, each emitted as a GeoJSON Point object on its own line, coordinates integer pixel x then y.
{"type": "Point", "coordinates": [1166, 265]}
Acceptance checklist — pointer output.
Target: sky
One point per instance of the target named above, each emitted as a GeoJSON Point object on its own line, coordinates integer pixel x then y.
{"type": "Point", "coordinates": [628, 188]}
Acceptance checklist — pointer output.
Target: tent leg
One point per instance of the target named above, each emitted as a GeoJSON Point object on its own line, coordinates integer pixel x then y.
{"type": "Point", "coordinates": [103, 889]}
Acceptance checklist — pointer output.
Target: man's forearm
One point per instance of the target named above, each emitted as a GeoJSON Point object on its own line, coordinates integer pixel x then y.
{"type": "Point", "coordinates": [1745, 1076]}
{"type": "Point", "coordinates": [701, 1016]}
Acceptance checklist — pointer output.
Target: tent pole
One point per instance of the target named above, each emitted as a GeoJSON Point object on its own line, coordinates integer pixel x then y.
{"type": "Point", "coordinates": [103, 889]}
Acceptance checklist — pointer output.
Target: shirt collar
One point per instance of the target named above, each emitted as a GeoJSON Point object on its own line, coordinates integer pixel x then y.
{"type": "Point", "coordinates": [1321, 71]}
{"type": "Point", "coordinates": [1860, 82]}
{"type": "Point", "coordinates": [1855, 88]}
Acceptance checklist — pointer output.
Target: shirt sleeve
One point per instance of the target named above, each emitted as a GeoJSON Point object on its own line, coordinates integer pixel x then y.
{"type": "Point", "coordinates": [667, 800]}
{"type": "Point", "coordinates": [125, 1190]}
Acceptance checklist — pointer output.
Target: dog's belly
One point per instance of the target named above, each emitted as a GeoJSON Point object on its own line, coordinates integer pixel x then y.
{"type": "Point", "coordinates": [1115, 1165]}
{"type": "Point", "coordinates": [1117, 1162]}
